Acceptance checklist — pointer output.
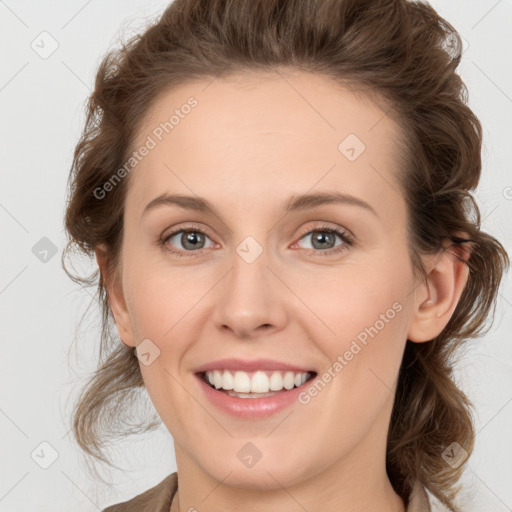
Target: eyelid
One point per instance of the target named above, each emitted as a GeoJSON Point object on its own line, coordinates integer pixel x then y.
{"type": "Point", "coordinates": [344, 234]}
{"type": "Point", "coordinates": [179, 229]}
{"type": "Point", "coordinates": [187, 227]}
{"type": "Point", "coordinates": [327, 226]}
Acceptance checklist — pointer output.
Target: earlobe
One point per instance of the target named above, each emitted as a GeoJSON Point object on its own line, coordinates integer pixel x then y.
{"type": "Point", "coordinates": [437, 298]}
{"type": "Point", "coordinates": [115, 298]}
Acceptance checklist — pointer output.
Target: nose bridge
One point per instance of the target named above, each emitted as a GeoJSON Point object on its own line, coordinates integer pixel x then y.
{"type": "Point", "coordinates": [251, 296]}
{"type": "Point", "coordinates": [249, 268]}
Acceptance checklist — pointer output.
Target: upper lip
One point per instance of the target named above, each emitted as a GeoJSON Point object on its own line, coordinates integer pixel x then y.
{"type": "Point", "coordinates": [249, 365]}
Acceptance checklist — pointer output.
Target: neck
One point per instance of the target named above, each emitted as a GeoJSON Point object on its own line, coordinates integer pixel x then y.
{"type": "Point", "coordinates": [350, 485]}
{"type": "Point", "coordinates": [388, 501]}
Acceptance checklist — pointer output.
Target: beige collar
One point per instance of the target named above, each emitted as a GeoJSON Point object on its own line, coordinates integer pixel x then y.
{"type": "Point", "coordinates": [159, 498]}
{"type": "Point", "coordinates": [418, 501]}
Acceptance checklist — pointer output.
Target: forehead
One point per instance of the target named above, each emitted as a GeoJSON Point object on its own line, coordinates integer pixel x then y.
{"type": "Point", "coordinates": [266, 135]}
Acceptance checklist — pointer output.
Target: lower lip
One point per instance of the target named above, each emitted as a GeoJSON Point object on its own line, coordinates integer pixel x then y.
{"type": "Point", "coordinates": [251, 407]}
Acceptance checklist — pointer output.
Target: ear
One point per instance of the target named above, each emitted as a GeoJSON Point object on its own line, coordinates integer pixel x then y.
{"type": "Point", "coordinates": [437, 298]}
{"type": "Point", "coordinates": [115, 297]}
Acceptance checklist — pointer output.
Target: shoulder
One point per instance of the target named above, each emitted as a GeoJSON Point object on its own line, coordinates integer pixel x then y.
{"type": "Point", "coordinates": [155, 499]}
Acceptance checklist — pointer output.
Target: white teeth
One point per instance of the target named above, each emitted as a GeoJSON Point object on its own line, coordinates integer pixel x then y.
{"type": "Point", "coordinates": [288, 380]}
{"type": "Point", "coordinates": [242, 382]}
{"type": "Point", "coordinates": [227, 380]}
{"type": "Point", "coordinates": [276, 381]}
{"type": "Point", "coordinates": [259, 382]}
{"type": "Point", "coordinates": [217, 379]}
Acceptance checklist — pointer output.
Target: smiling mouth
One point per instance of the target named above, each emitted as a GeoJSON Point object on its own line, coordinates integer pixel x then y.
{"type": "Point", "coordinates": [258, 384]}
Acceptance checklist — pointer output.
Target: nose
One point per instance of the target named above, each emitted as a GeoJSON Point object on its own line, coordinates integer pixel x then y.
{"type": "Point", "coordinates": [251, 300]}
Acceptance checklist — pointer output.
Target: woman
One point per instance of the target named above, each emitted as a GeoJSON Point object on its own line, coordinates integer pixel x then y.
{"type": "Point", "coordinates": [277, 194]}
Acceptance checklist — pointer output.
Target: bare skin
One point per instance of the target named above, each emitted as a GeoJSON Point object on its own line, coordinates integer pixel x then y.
{"type": "Point", "coordinates": [248, 145]}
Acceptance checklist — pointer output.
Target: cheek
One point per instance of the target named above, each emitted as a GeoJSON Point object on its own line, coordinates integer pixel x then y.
{"type": "Point", "coordinates": [161, 299]}
{"type": "Point", "coordinates": [367, 314]}
{"type": "Point", "coordinates": [357, 301]}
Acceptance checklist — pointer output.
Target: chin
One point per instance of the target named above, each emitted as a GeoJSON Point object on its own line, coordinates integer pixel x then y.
{"type": "Point", "coordinates": [262, 478]}
{"type": "Point", "coordinates": [270, 471]}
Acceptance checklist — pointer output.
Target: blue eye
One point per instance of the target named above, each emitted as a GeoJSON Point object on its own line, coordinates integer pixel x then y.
{"type": "Point", "coordinates": [320, 239]}
{"type": "Point", "coordinates": [193, 240]}
{"type": "Point", "coordinates": [190, 238]}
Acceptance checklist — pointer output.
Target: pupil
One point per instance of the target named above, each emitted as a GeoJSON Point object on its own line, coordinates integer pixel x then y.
{"type": "Point", "coordinates": [322, 237]}
{"type": "Point", "coordinates": [190, 237]}
{"type": "Point", "coordinates": [193, 238]}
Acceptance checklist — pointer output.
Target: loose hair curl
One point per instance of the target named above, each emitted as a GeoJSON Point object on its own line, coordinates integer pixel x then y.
{"type": "Point", "coordinates": [401, 52]}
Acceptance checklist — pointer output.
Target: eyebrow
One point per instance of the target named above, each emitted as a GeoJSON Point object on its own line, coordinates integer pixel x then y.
{"type": "Point", "coordinates": [294, 203]}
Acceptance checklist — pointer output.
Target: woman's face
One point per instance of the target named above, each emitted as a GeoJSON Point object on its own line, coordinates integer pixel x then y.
{"type": "Point", "coordinates": [261, 280]}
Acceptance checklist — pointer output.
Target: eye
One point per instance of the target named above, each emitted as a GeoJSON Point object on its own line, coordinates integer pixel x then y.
{"type": "Point", "coordinates": [324, 239]}
{"type": "Point", "coordinates": [191, 239]}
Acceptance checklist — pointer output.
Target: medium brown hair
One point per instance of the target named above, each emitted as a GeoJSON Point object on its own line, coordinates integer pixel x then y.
{"type": "Point", "coordinates": [400, 51]}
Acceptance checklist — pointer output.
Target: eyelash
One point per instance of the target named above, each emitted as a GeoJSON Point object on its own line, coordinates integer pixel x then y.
{"type": "Point", "coordinates": [348, 241]}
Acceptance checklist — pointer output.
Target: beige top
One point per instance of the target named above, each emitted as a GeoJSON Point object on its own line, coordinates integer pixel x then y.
{"type": "Point", "coordinates": [159, 498]}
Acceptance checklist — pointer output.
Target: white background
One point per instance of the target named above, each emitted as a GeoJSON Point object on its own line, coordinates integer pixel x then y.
{"type": "Point", "coordinates": [41, 102]}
